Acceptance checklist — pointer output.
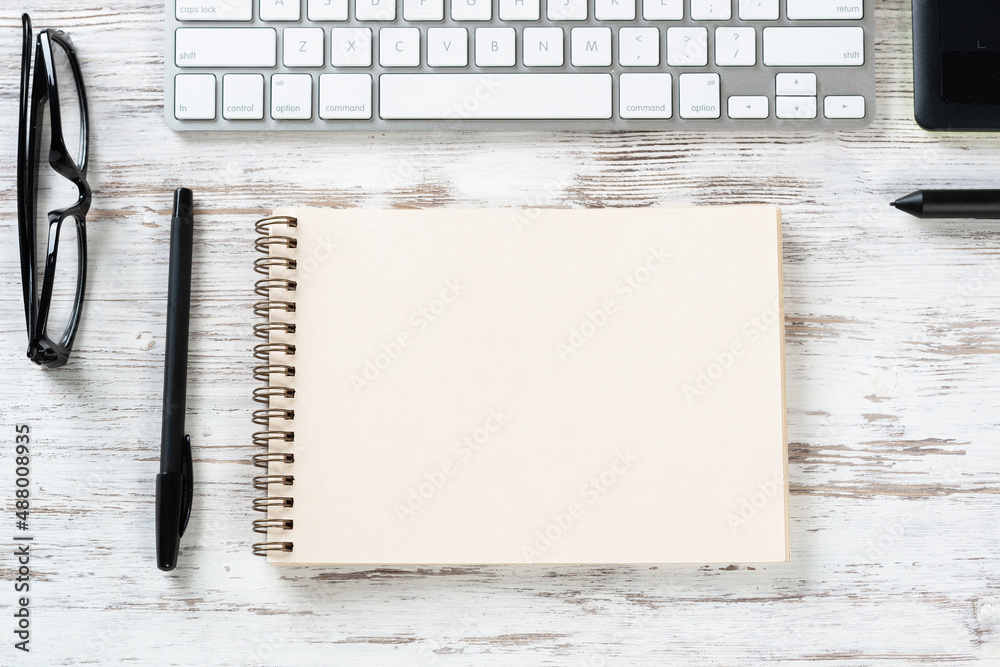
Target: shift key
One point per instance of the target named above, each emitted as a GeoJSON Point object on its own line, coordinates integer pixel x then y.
{"type": "Point", "coordinates": [814, 47]}
{"type": "Point", "coordinates": [226, 47]}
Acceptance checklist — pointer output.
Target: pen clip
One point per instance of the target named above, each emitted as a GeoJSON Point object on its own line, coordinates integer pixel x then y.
{"type": "Point", "coordinates": [187, 473]}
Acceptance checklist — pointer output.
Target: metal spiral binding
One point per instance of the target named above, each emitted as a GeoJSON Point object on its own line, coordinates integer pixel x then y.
{"type": "Point", "coordinates": [270, 375]}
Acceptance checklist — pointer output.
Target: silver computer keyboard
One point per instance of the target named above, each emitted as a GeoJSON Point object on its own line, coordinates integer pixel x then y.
{"type": "Point", "coordinates": [520, 64]}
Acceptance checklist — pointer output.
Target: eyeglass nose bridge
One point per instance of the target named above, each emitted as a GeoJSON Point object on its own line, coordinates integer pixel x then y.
{"type": "Point", "coordinates": [80, 208]}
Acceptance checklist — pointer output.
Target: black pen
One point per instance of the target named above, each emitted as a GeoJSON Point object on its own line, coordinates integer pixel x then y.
{"type": "Point", "coordinates": [975, 204]}
{"type": "Point", "coordinates": [175, 484]}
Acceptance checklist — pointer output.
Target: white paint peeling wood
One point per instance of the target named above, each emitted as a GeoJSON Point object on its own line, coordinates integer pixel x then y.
{"type": "Point", "coordinates": [893, 386]}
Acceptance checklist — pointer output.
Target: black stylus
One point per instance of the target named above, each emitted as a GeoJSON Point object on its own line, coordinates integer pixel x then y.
{"type": "Point", "coordinates": [975, 204]}
{"type": "Point", "coordinates": [175, 484]}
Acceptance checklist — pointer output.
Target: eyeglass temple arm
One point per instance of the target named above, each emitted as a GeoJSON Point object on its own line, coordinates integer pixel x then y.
{"type": "Point", "coordinates": [25, 183]}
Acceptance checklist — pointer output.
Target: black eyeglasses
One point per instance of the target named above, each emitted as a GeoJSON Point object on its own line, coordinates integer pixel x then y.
{"type": "Point", "coordinates": [41, 94]}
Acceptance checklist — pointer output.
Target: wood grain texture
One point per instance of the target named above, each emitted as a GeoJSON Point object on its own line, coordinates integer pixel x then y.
{"type": "Point", "coordinates": [893, 343]}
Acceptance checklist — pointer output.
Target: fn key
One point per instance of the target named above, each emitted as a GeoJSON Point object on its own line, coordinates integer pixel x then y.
{"type": "Point", "coordinates": [194, 97]}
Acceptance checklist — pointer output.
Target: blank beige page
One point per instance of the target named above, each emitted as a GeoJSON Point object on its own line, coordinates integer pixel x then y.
{"type": "Point", "coordinates": [541, 386]}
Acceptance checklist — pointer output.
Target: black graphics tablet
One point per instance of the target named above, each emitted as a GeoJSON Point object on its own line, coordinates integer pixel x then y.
{"type": "Point", "coordinates": [956, 64]}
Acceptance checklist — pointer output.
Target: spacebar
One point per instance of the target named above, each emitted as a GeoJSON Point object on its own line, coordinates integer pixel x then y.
{"type": "Point", "coordinates": [494, 96]}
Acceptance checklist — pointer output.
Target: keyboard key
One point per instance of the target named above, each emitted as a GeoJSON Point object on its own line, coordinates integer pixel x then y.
{"type": "Point", "coordinates": [243, 97]}
{"type": "Point", "coordinates": [711, 10]}
{"type": "Point", "coordinates": [471, 10]}
{"type": "Point", "coordinates": [495, 47]}
{"type": "Point", "coordinates": [804, 10]}
{"type": "Point", "coordinates": [214, 10]}
{"type": "Point", "coordinates": [495, 96]}
{"type": "Point", "coordinates": [645, 96]}
{"type": "Point", "coordinates": [327, 10]}
{"type": "Point", "coordinates": [566, 10]}
{"type": "Point", "coordinates": [447, 47]}
{"type": "Point", "coordinates": [735, 47]}
{"type": "Point", "coordinates": [817, 47]}
{"type": "Point", "coordinates": [790, 83]}
{"type": "Point", "coordinates": [639, 47]}
{"type": "Point", "coordinates": [844, 106]}
{"type": "Point", "coordinates": [520, 10]}
{"type": "Point", "coordinates": [795, 107]}
{"type": "Point", "coordinates": [303, 47]}
{"type": "Point", "coordinates": [399, 47]}
{"type": "Point", "coordinates": [375, 10]}
{"type": "Point", "coordinates": [543, 47]}
{"type": "Point", "coordinates": [700, 96]}
{"type": "Point", "coordinates": [291, 96]}
{"type": "Point", "coordinates": [591, 47]}
{"type": "Point", "coordinates": [227, 47]}
{"type": "Point", "coordinates": [280, 10]}
{"type": "Point", "coordinates": [614, 10]}
{"type": "Point", "coordinates": [748, 106]}
{"type": "Point", "coordinates": [345, 96]}
{"type": "Point", "coordinates": [423, 10]}
{"type": "Point", "coordinates": [194, 97]}
{"type": "Point", "coordinates": [352, 47]}
{"type": "Point", "coordinates": [687, 47]}
{"type": "Point", "coordinates": [663, 10]}
{"type": "Point", "coordinates": [758, 10]}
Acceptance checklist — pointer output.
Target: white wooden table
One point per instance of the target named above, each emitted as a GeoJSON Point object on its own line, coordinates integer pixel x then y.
{"type": "Point", "coordinates": [893, 394]}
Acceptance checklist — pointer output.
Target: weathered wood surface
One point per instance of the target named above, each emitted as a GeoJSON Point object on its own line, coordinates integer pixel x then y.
{"type": "Point", "coordinates": [893, 385]}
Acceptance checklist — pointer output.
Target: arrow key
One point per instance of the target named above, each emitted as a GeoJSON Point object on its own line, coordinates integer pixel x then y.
{"type": "Point", "coordinates": [844, 106]}
{"type": "Point", "coordinates": [748, 107]}
{"type": "Point", "coordinates": [800, 108]}
{"type": "Point", "coordinates": [795, 84]}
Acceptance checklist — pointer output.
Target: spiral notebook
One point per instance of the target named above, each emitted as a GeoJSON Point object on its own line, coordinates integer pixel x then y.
{"type": "Point", "coordinates": [521, 386]}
